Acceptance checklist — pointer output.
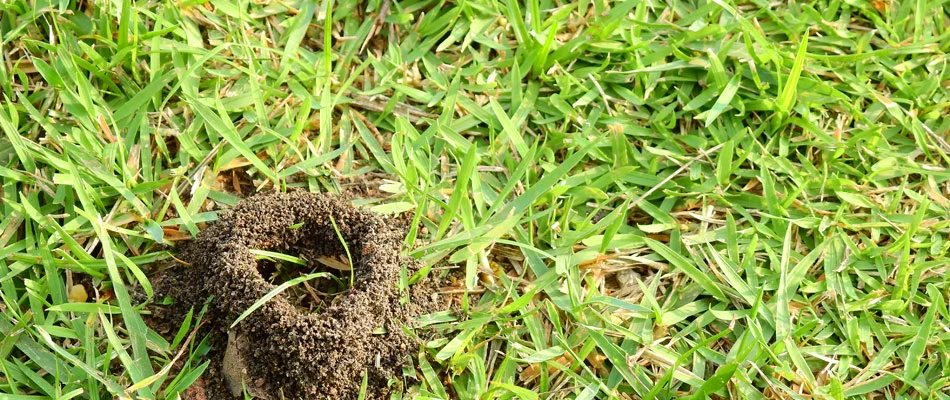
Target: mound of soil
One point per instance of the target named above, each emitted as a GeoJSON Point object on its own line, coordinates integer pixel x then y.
{"type": "Point", "coordinates": [319, 348]}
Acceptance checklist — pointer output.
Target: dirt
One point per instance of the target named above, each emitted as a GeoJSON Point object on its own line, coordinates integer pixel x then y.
{"type": "Point", "coordinates": [306, 343]}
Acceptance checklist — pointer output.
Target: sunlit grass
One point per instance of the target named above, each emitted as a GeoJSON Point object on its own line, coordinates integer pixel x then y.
{"type": "Point", "coordinates": [643, 199]}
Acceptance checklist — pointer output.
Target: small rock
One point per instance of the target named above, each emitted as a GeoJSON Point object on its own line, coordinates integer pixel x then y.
{"type": "Point", "coordinates": [77, 294]}
{"type": "Point", "coordinates": [235, 369]}
{"type": "Point", "coordinates": [628, 278]}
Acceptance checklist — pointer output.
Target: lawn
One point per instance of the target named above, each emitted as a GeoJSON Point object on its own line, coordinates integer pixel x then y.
{"type": "Point", "coordinates": [638, 199]}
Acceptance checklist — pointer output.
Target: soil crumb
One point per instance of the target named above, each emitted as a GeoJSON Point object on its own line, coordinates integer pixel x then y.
{"type": "Point", "coordinates": [284, 350]}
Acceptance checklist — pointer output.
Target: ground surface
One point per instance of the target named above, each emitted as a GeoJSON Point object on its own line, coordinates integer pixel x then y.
{"type": "Point", "coordinates": [639, 199]}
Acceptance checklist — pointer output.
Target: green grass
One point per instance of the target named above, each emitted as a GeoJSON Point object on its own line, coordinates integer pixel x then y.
{"type": "Point", "coordinates": [648, 199]}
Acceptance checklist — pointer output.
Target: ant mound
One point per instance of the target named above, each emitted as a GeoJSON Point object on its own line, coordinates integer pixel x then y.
{"type": "Point", "coordinates": [317, 339]}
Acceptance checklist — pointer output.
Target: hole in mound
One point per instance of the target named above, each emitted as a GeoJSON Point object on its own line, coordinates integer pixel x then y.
{"type": "Point", "coordinates": [313, 253]}
{"type": "Point", "coordinates": [310, 296]}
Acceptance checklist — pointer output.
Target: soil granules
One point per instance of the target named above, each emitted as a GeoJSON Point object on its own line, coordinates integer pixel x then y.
{"type": "Point", "coordinates": [279, 350]}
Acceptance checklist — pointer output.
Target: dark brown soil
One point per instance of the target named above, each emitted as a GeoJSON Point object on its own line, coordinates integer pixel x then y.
{"type": "Point", "coordinates": [316, 349]}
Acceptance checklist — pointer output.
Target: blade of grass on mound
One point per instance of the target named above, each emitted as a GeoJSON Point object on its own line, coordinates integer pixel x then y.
{"type": "Point", "coordinates": [277, 256]}
{"type": "Point", "coordinates": [274, 292]}
{"type": "Point", "coordinates": [346, 249]}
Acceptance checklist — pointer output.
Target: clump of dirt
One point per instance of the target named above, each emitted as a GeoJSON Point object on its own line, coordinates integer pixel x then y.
{"type": "Point", "coordinates": [316, 342]}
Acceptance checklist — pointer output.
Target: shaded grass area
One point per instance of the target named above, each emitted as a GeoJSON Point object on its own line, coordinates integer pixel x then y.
{"type": "Point", "coordinates": [647, 199]}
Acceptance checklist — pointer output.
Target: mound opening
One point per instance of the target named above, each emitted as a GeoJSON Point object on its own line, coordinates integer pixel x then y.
{"type": "Point", "coordinates": [311, 295]}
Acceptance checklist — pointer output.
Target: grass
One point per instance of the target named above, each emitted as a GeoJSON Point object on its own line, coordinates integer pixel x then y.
{"type": "Point", "coordinates": [648, 199]}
